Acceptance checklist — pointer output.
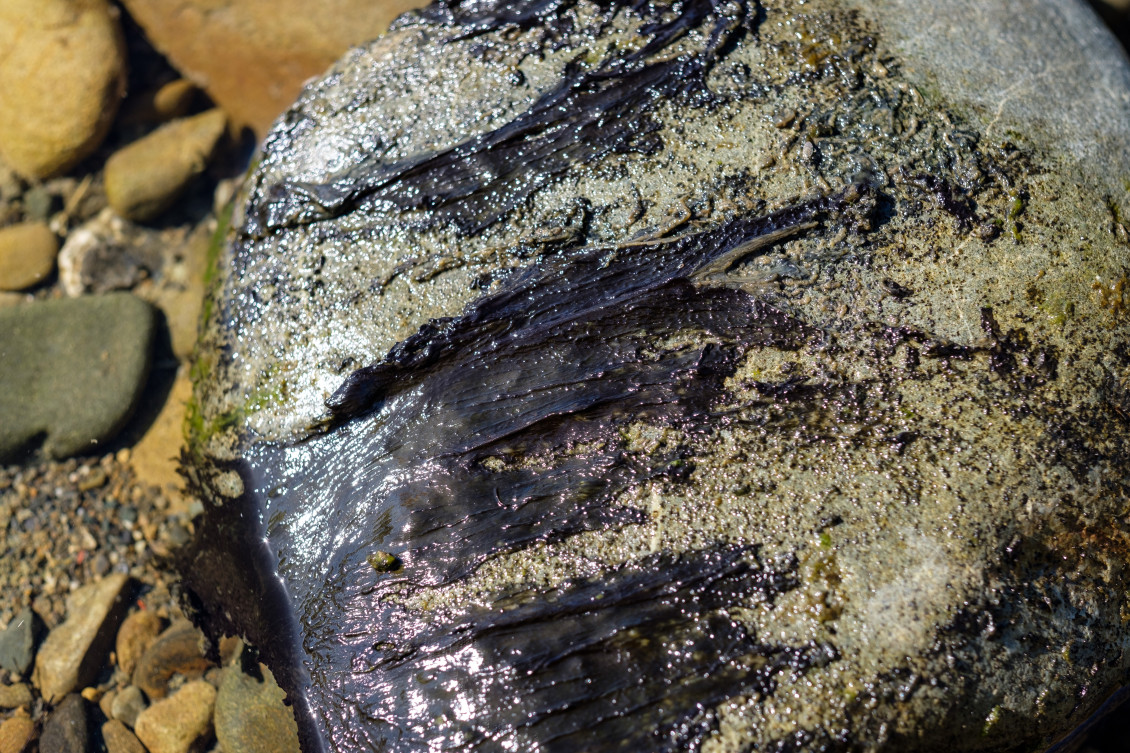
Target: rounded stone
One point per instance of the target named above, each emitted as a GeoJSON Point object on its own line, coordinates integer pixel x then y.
{"type": "Point", "coordinates": [148, 176]}
{"type": "Point", "coordinates": [62, 77]}
{"type": "Point", "coordinates": [27, 255]}
{"type": "Point", "coordinates": [722, 376]}
{"type": "Point", "coordinates": [17, 734]}
{"type": "Point", "coordinates": [177, 651]}
{"type": "Point", "coordinates": [74, 370]}
{"type": "Point", "coordinates": [136, 634]}
{"type": "Point", "coordinates": [179, 723]}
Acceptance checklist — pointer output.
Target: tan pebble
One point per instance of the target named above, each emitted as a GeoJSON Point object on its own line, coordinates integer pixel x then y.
{"type": "Point", "coordinates": [148, 176]}
{"type": "Point", "coordinates": [178, 650]}
{"type": "Point", "coordinates": [62, 75]}
{"type": "Point", "coordinates": [15, 695]}
{"type": "Point", "coordinates": [27, 255]}
{"type": "Point", "coordinates": [16, 735]}
{"type": "Point", "coordinates": [75, 650]}
{"type": "Point", "coordinates": [91, 694]}
{"type": "Point", "coordinates": [174, 99]}
{"type": "Point", "coordinates": [128, 705]}
{"type": "Point", "coordinates": [176, 724]}
{"type": "Point", "coordinates": [106, 702]}
{"type": "Point", "coordinates": [119, 739]}
{"type": "Point", "coordinates": [136, 634]}
{"type": "Point", "coordinates": [251, 716]}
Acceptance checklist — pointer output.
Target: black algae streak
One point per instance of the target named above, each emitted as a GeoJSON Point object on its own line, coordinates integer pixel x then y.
{"type": "Point", "coordinates": [632, 660]}
{"type": "Point", "coordinates": [588, 116]}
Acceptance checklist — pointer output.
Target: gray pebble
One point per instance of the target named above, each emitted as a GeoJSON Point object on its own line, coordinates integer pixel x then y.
{"type": "Point", "coordinates": [68, 728]}
{"type": "Point", "coordinates": [18, 642]}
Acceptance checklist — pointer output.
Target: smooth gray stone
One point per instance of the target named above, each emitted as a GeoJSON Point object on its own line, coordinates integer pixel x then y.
{"type": "Point", "coordinates": [19, 640]}
{"type": "Point", "coordinates": [73, 370]}
{"type": "Point", "coordinates": [920, 428]}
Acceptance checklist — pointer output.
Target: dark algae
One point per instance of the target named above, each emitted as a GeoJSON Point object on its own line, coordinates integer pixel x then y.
{"type": "Point", "coordinates": [502, 428]}
{"type": "Point", "coordinates": [590, 114]}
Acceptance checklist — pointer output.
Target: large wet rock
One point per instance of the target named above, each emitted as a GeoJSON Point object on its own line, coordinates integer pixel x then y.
{"type": "Point", "coordinates": [718, 378]}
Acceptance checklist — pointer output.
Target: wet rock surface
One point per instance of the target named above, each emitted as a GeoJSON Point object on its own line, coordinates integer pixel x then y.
{"type": "Point", "coordinates": [718, 377]}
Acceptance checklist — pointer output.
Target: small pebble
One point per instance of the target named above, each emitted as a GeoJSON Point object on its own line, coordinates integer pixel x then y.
{"type": "Point", "coordinates": [177, 651]}
{"type": "Point", "coordinates": [127, 705]}
{"type": "Point", "coordinates": [136, 634]}
{"type": "Point", "coordinates": [18, 641]}
{"type": "Point", "coordinates": [119, 739]}
{"type": "Point", "coordinates": [73, 652]}
{"type": "Point", "coordinates": [14, 696]}
{"type": "Point", "coordinates": [16, 734]}
{"type": "Point", "coordinates": [67, 730]}
{"type": "Point", "coordinates": [176, 724]}
{"type": "Point", "coordinates": [146, 177]}
{"type": "Point", "coordinates": [251, 716]}
{"type": "Point", "coordinates": [27, 255]}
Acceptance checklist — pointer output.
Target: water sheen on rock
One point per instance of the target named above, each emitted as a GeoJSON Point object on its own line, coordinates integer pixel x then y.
{"type": "Point", "coordinates": [722, 376]}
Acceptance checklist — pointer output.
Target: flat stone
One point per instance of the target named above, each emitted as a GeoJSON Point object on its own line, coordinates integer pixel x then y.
{"type": "Point", "coordinates": [18, 641]}
{"type": "Point", "coordinates": [178, 723]}
{"type": "Point", "coordinates": [137, 633]}
{"type": "Point", "coordinates": [148, 176]}
{"type": "Point", "coordinates": [61, 79]}
{"type": "Point", "coordinates": [67, 729]}
{"type": "Point", "coordinates": [76, 650]}
{"type": "Point", "coordinates": [253, 56]}
{"type": "Point", "coordinates": [119, 739]}
{"type": "Point", "coordinates": [251, 716]}
{"type": "Point", "coordinates": [75, 370]}
{"type": "Point", "coordinates": [17, 734]}
{"type": "Point", "coordinates": [177, 651]}
{"type": "Point", "coordinates": [27, 255]}
{"type": "Point", "coordinates": [128, 705]}
{"type": "Point", "coordinates": [720, 376]}
{"type": "Point", "coordinates": [15, 695]}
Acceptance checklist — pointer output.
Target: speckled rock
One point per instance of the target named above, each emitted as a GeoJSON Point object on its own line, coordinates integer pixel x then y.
{"type": "Point", "coordinates": [27, 255]}
{"type": "Point", "coordinates": [253, 56]}
{"type": "Point", "coordinates": [119, 739]}
{"type": "Point", "coordinates": [62, 77]}
{"type": "Point", "coordinates": [178, 650]}
{"type": "Point", "coordinates": [18, 641]}
{"type": "Point", "coordinates": [148, 176]}
{"type": "Point", "coordinates": [67, 729]}
{"type": "Point", "coordinates": [251, 716]}
{"type": "Point", "coordinates": [17, 734]}
{"type": "Point", "coordinates": [74, 369]}
{"type": "Point", "coordinates": [76, 650]}
{"type": "Point", "coordinates": [179, 723]}
{"type": "Point", "coordinates": [715, 377]}
{"type": "Point", "coordinates": [137, 633]}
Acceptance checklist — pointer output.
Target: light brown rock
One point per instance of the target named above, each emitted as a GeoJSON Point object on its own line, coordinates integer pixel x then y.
{"type": "Point", "coordinates": [27, 255]}
{"type": "Point", "coordinates": [176, 723]}
{"type": "Point", "coordinates": [163, 103]}
{"type": "Point", "coordinates": [251, 716]}
{"type": "Point", "coordinates": [16, 734]}
{"type": "Point", "coordinates": [135, 635]}
{"type": "Point", "coordinates": [178, 650]}
{"type": "Point", "coordinates": [146, 177]}
{"type": "Point", "coordinates": [15, 695]}
{"type": "Point", "coordinates": [75, 650]}
{"type": "Point", "coordinates": [119, 739]}
{"type": "Point", "coordinates": [253, 56]}
{"type": "Point", "coordinates": [62, 75]}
